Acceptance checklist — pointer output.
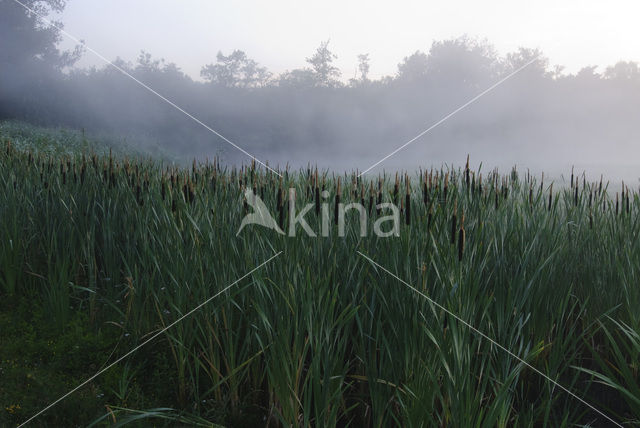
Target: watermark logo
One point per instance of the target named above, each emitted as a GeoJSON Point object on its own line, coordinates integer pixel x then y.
{"type": "Point", "coordinates": [387, 225]}
{"type": "Point", "coordinates": [260, 215]}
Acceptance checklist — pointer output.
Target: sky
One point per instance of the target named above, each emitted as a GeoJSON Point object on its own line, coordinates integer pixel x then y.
{"type": "Point", "coordinates": [280, 34]}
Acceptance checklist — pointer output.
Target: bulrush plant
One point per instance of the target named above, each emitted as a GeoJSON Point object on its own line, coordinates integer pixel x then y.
{"type": "Point", "coordinates": [454, 222]}
{"type": "Point", "coordinates": [323, 337]}
{"type": "Point", "coordinates": [407, 202]}
{"type": "Point", "coordinates": [461, 238]}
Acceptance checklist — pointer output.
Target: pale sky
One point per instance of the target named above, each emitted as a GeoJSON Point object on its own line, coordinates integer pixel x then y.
{"type": "Point", "coordinates": [280, 34]}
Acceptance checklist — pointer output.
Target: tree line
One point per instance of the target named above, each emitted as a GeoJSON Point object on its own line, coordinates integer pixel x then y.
{"type": "Point", "coordinates": [311, 113]}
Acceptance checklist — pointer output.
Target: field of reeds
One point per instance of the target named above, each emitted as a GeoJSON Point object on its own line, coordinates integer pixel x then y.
{"type": "Point", "coordinates": [99, 252]}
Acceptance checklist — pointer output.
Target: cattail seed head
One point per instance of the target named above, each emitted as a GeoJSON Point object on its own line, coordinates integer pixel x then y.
{"type": "Point", "coordinates": [337, 203]}
{"type": "Point", "coordinates": [396, 189]}
{"type": "Point", "coordinates": [461, 238]}
{"type": "Point", "coordinates": [454, 222]}
{"type": "Point", "coordinates": [572, 177]}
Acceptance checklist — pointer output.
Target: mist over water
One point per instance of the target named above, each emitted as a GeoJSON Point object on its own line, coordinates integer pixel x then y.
{"type": "Point", "coordinates": [541, 119]}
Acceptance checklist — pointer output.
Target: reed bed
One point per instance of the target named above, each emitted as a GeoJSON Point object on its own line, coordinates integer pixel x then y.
{"type": "Point", "coordinates": [320, 337]}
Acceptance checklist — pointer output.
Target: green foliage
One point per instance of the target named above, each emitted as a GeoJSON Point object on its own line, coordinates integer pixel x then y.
{"type": "Point", "coordinates": [109, 250]}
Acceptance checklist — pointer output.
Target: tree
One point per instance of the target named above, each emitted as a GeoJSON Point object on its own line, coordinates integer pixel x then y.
{"type": "Point", "coordinates": [28, 43]}
{"type": "Point", "coordinates": [363, 69]}
{"type": "Point", "coordinates": [236, 70]}
{"type": "Point", "coordinates": [623, 70]}
{"type": "Point", "coordinates": [462, 61]}
{"type": "Point", "coordinates": [413, 67]}
{"type": "Point", "coordinates": [298, 78]}
{"type": "Point", "coordinates": [325, 74]}
{"type": "Point", "coordinates": [515, 60]}
{"type": "Point", "coordinates": [30, 61]}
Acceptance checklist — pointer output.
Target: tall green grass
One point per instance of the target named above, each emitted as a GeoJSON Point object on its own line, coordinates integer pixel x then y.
{"type": "Point", "coordinates": [320, 337]}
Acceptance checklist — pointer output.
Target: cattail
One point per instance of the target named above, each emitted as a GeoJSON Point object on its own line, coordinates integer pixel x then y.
{"type": "Point", "coordinates": [461, 238]}
{"type": "Point", "coordinates": [337, 203]}
{"type": "Point", "coordinates": [370, 197]}
{"type": "Point", "coordinates": [425, 191]}
{"type": "Point", "coordinates": [495, 193]}
{"type": "Point", "coordinates": [245, 205]}
{"type": "Point", "coordinates": [162, 187]}
{"type": "Point", "coordinates": [396, 189]}
{"type": "Point", "coordinates": [531, 195]}
{"type": "Point", "coordinates": [454, 222]}
{"type": "Point", "coordinates": [572, 177]}
{"type": "Point", "coordinates": [550, 196]}
{"type": "Point", "coordinates": [429, 217]}
{"type": "Point", "coordinates": [600, 188]}
{"type": "Point", "coordinates": [445, 190]}
{"type": "Point", "coordinates": [279, 195]}
{"type": "Point", "coordinates": [466, 173]}
{"type": "Point", "coordinates": [408, 205]}
{"type": "Point", "coordinates": [280, 210]}
{"type": "Point", "coordinates": [317, 193]}
{"type": "Point", "coordinates": [575, 198]}
{"type": "Point", "coordinates": [627, 201]}
{"type": "Point", "coordinates": [590, 219]}
{"type": "Point", "coordinates": [616, 203]}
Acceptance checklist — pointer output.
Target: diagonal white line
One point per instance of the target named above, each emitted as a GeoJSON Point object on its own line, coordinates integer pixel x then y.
{"type": "Point", "coordinates": [162, 97]}
{"type": "Point", "coordinates": [492, 341]}
{"type": "Point", "coordinates": [462, 107]}
{"type": "Point", "coordinates": [149, 339]}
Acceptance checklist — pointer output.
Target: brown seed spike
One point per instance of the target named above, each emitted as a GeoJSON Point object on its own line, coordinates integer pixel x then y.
{"type": "Point", "coordinates": [337, 203]}
{"type": "Point", "coordinates": [461, 238]}
{"type": "Point", "coordinates": [572, 177]}
{"type": "Point", "coordinates": [396, 190]}
{"type": "Point", "coordinates": [454, 221]}
{"type": "Point", "coordinates": [370, 197]}
{"type": "Point", "coordinates": [408, 205]}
